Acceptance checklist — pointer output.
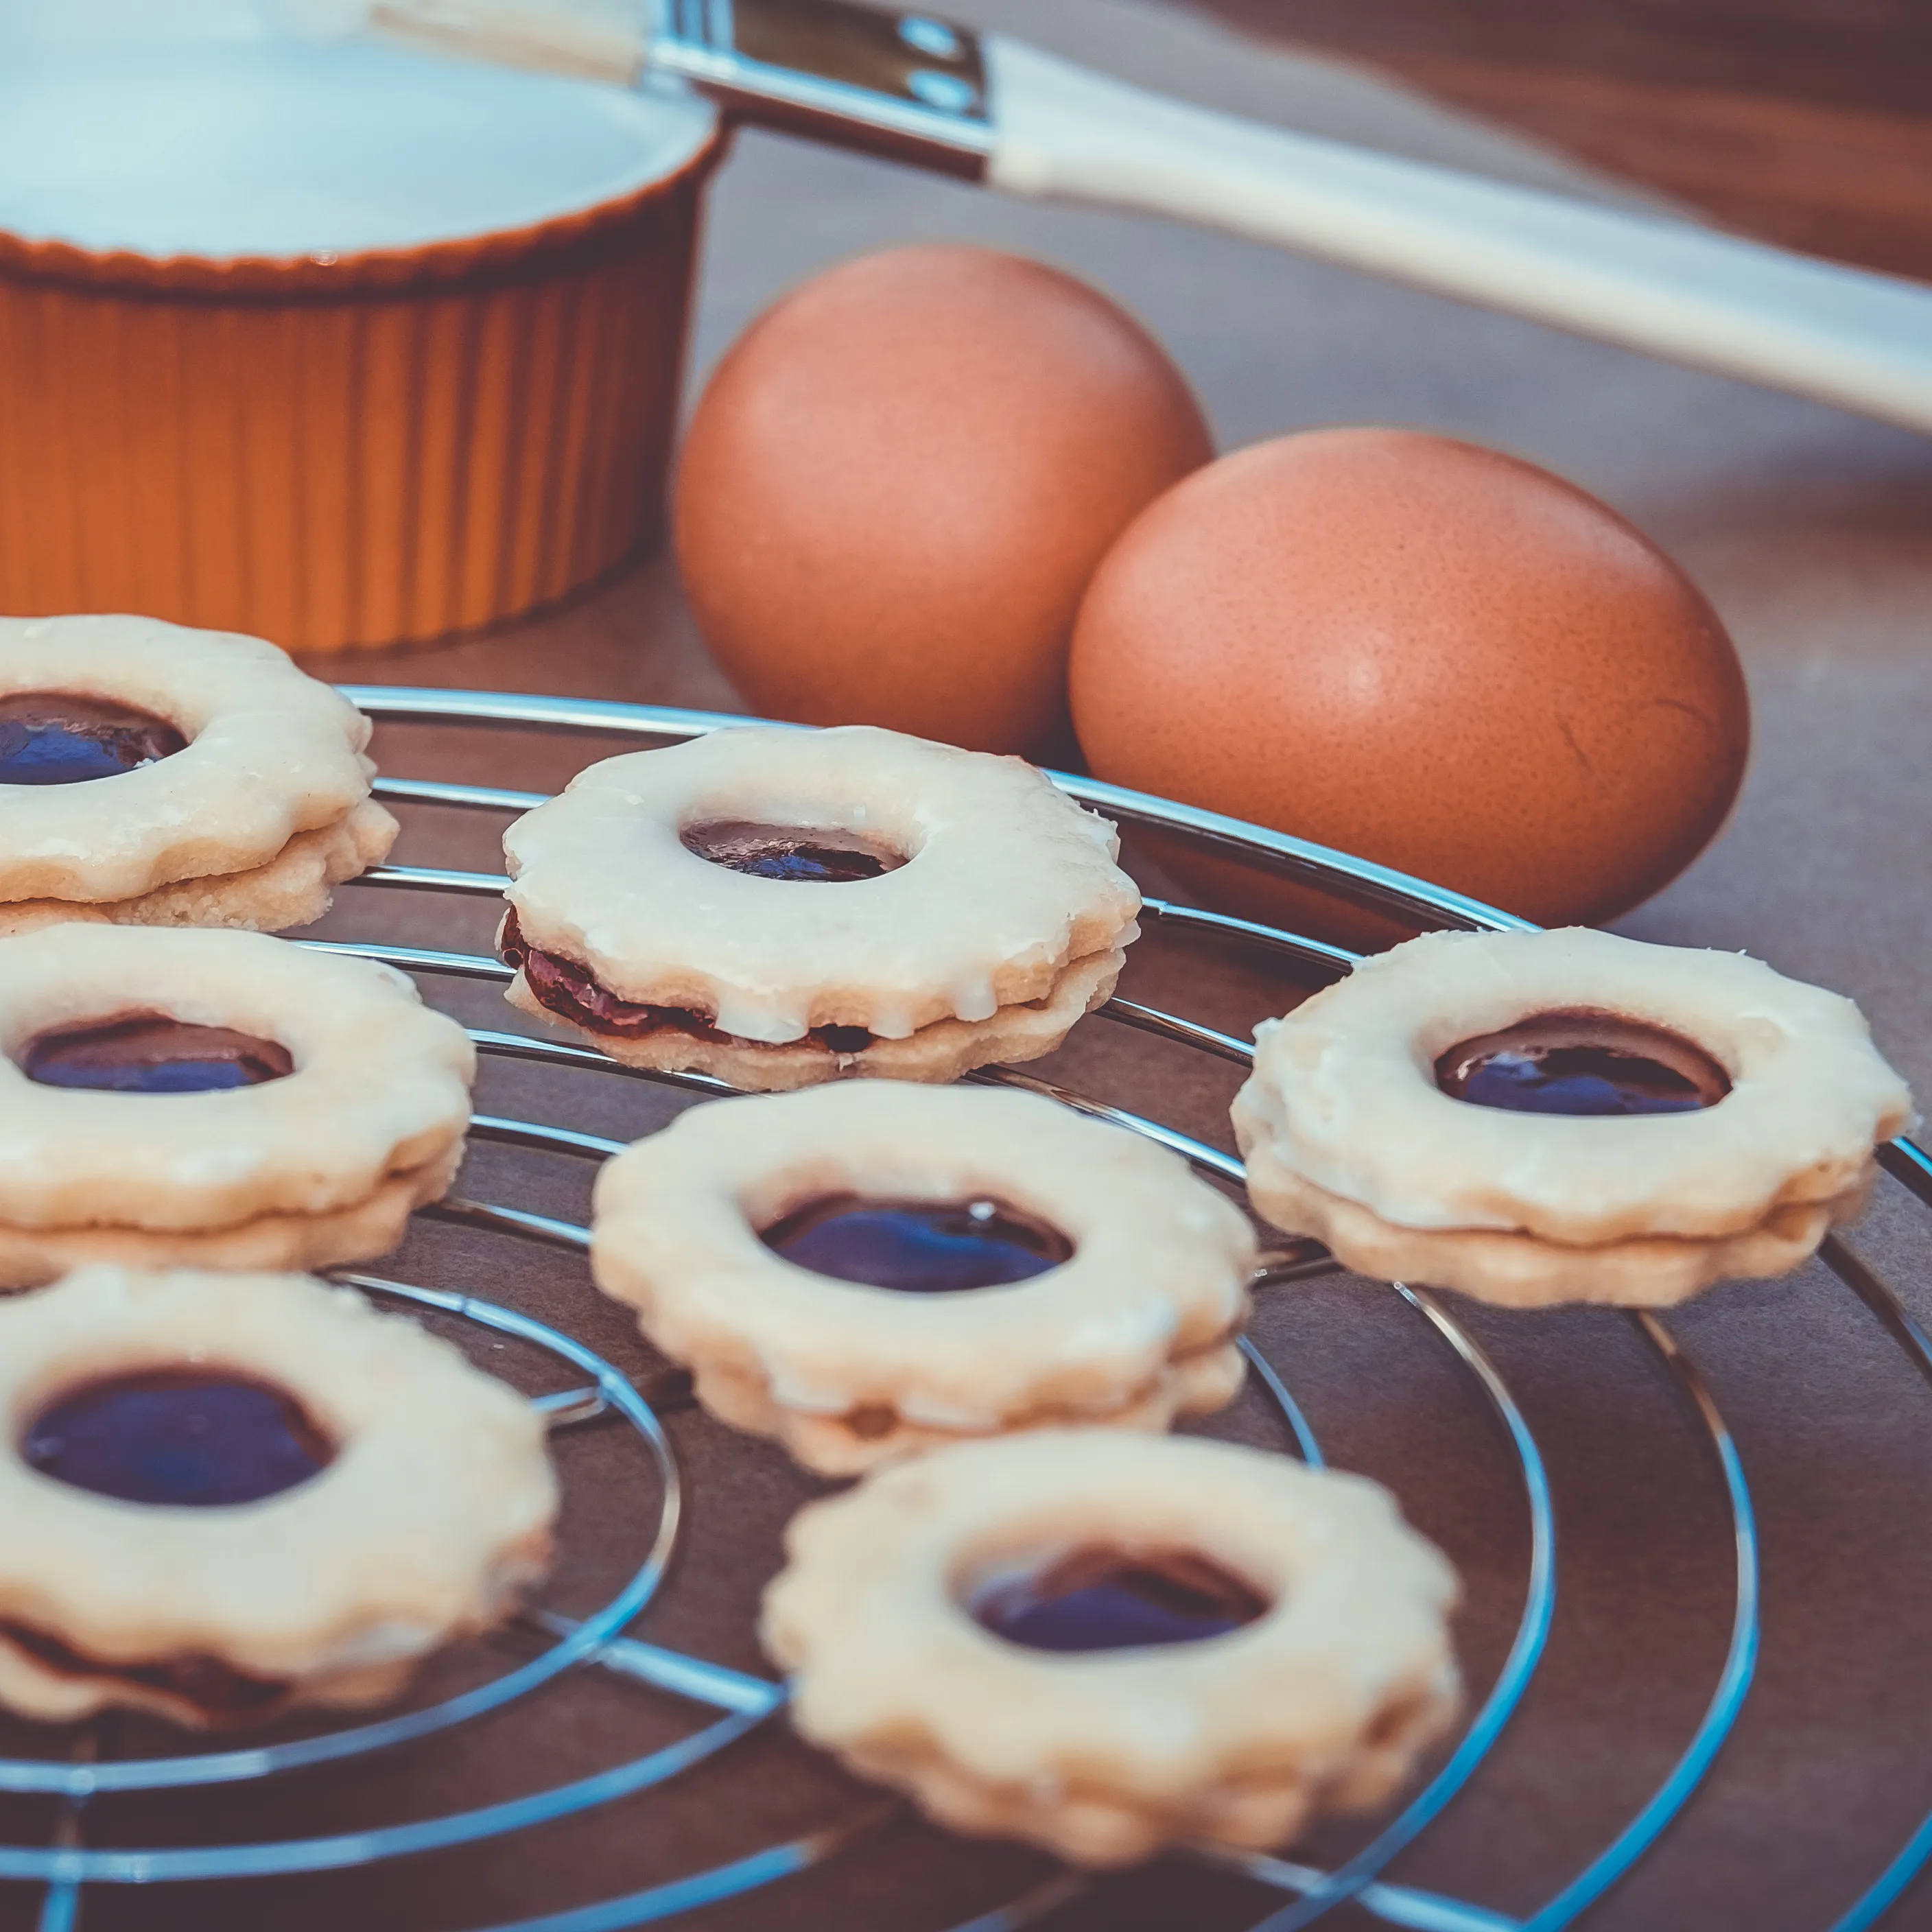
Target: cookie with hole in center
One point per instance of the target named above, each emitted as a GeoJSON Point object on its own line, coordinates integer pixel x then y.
{"type": "Point", "coordinates": [866, 1270]}
{"type": "Point", "coordinates": [228, 1494]}
{"type": "Point", "coordinates": [1104, 1644]}
{"type": "Point", "coordinates": [779, 907]}
{"type": "Point", "coordinates": [1534, 1117]}
{"type": "Point", "coordinates": [152, 774]}
{"type": "Point", "coordinates": [221, 1099]}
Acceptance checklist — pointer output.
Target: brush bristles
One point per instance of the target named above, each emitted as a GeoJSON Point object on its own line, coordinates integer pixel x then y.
{"type": "Point", "coordinates": [602, 44]}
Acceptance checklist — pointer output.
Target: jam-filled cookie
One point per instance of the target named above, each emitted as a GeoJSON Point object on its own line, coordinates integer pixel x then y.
{"type": "Point", "coordinates": [779, 907]}
{"type": "Point", "coordinates": [219, 1099]}
{"type": "Point", "coordinates": [223, 1496]}
{"type": "Point", "coordinates": [1104, 1644]}
{"type": "Point", "coordinates": [1544, 1117]}
{"type": "Point", "coordinates": [153, 775]}
{"type": "Point", "coordinates": [864, 1271]}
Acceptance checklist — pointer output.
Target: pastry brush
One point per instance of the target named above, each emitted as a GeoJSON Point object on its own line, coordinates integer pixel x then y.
{"type": "Point", "coordinates": [991, 109]}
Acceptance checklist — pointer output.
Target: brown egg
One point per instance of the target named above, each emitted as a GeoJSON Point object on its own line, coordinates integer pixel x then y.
{"type": "Point", "coordinates": [1422, 652]}
{"type": "Point", "coordinates": [900, 478]}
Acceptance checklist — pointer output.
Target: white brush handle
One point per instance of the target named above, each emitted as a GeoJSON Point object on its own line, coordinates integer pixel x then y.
{"type": "Point", "coordinates": [1845, 336]}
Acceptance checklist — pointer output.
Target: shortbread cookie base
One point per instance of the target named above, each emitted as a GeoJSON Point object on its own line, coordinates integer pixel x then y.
{"type": "Point", "coordinates": [935, 1054]}
{"type": "Point", "coordinates": [1324, 1701]}
{"type": "Point", "coordinates": [30, 1257]}
{"type": "Point", "coordinates": [868, 1437]}
{"type": "Point", "coordinates": [1135, 1328]}
{"type": "Point", "coordinates": [436, 1513]}
{"type": "Point", "coordinates": [1344, 1093]}
{"type": "Point", "coordinates": [1005, 880]}
{"type": "Point", "coordinates": [1519, 1270]}
{"type": "Point", "coordinates": [293, 889]}
{"type": "Point", "coordinates": [381, 1083]}
{"type": "Point", "coordinates": [272, 752]}
{"type": "Point", "coordinates": [30, 1688]}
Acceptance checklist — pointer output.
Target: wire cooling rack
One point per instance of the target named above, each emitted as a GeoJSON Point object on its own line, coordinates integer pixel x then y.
{"type": "Point", "coordinates": [63, 1864]}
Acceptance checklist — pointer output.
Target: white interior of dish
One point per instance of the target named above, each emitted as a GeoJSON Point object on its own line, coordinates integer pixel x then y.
{"type": "Point", "coordinates": [219, 128]}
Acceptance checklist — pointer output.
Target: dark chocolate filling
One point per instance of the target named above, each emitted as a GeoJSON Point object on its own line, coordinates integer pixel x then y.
{"type": "Point", "coordinates": [1107, 1599]}
{"type": "Point", "coordinates": [780, 852]}
{"type": "Point", "coordinates": [565, 987]}
{"type": "Point", "coordinates": [1582, 1062]}
{"type": "Point", "coordinates": [178, 1438]}
{"type": "Point", "coordinates": [59, 737]}
{"type": "Point", "coordinates": [149, 1053]}
{"type": "Point", "coordinates": [922, 1247]}
{"type": "Point", "coordinates": [221, 1694]}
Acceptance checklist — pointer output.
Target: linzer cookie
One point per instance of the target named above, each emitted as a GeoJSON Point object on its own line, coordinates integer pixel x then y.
{"type": "Point", "coordinates": [781, 907]}
{"type": "Point", "coordinates": [867, 1270]}
{"type": "Point", "coordinates": [151, 775]}
{"type": "Point", "coordinates": [1545, 1117]}
{"type": "Point", "coordinates": [219, 1099]}
{"type": "Point", "coordinates": [1104, 1644]}
{"type": "Point", "coordinates": [228, 1494]}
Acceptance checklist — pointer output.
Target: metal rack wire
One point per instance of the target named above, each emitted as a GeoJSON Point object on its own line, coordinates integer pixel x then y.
{"type": "Point", "coordinates": [737, 1702]}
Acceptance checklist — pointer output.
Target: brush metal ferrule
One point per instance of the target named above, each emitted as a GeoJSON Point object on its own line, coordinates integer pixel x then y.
{"type": "Point", "coordinates": [909, 86]}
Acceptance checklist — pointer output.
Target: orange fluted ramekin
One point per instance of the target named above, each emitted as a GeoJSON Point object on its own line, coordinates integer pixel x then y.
{"type": "Point", "coordinates": [340, 450]}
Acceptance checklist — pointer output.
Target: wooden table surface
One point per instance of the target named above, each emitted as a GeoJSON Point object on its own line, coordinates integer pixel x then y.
{"type": "Point", "coordinates": [1804, 121]}
{"type": "Point", "coordinates": [1810, 532]}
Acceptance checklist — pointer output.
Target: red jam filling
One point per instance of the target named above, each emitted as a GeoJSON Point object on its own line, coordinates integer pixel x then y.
{"type": "Point", "coordinates": [918, 1247]}
{"type": "Point", "coordinates": [1584, 1063]}
{"type": "Point", "coordinates": [149, 1053]}
{"type": "Point", "coordinates": [177, 1438]}
{"type": "Point", "coordinates": [1104, 1599]}
{"type": "Point", "coordinates": [777, 852]}
{"type": "Point", "coordinates": [59, 737]}
{"type": "Point", "coordinates": [563, 987]}
{"type": "Point", "coordinates": [221, 1693]}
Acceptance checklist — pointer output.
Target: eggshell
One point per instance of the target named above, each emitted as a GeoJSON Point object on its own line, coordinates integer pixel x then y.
{"type": "Point", "coordinates": [900, 478]}
{"type": "Point", "coordinates": [1422, 653]}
